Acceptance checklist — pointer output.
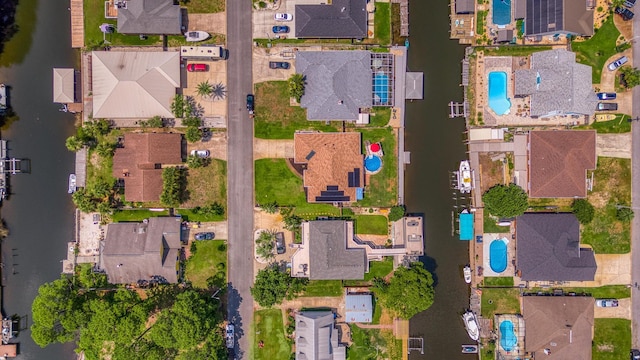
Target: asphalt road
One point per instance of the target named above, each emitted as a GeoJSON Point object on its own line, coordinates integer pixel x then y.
{"type": "Point", "coordinates": [635, 197]}
{"type": "Point", "coordinates": [239, 173]}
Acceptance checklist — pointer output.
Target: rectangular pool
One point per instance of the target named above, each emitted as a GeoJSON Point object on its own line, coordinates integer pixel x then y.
{"type": "Point", "coordinates": [501, 12]}
{"type": "Point", "coordinates": [498, 100]}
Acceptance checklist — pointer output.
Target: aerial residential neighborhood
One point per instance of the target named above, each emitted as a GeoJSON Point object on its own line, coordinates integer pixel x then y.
{"type": "Point", "coordinates": [301, 179]}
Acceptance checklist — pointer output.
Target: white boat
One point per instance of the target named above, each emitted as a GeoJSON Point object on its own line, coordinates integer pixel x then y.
{"type": "Point", "coordinates": [3, 98]}
{"type": "Point", "coordinates": [467, 274]}
{"type": "Point", "coordinates": [469, 349]}
{"type": "Point", "coordinates": [464, 177]}
{"type": "Point", "coordinates": [471, 324]}
{"type": "Point", "coordinates": [194, 36]}
{"type": "Point", "coordinates": [72, 183]}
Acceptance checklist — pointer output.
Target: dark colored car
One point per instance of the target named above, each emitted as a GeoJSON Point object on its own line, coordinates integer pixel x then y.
{"type": "Point", "coordinates": [197, 67]}
{"type": "Point", "coordinates": [250, 102]}
{"type": "Point", "coordinates": [606, 96]}
{"type": "Point", "coordinates": [625, 13]}
{"type": "Point", "coordinates": [280, 246]}
{"type": "Point", "coordinates": [602, 106]}
{"type": "Point", "coordinates": [629, 3]}
{"type": "Point", "coordinates": [205, 236]}
{"type": "Point", "coordinates": [634, 354]}
{"type": "Point", "coordinates": [278, 65]}
{"type": "Point", "coordinates": [280, 29]}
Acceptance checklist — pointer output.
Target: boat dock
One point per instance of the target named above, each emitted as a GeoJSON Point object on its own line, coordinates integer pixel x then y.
{"type": "Point", "coordinates": [8, 351]}
{"type": "Point", "coordinates": [404, 16]}
{"type": "Point", "coordinates": [3, 98]}
{"type": "Point", "coordinates": [77, 24]}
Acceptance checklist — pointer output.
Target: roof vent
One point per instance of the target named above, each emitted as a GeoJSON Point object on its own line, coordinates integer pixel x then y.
{"type": "Point", "coordinates": [344, 8]}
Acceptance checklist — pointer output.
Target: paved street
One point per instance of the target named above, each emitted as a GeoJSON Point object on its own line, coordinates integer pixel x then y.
{"type": "Point", "coordinates": [240, 173]}
{"type": "Point", "coordinates": [635, 201]}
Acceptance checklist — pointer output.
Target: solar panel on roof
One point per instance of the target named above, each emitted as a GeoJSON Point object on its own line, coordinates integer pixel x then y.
{"type": "Point", "coordinates": [332, 198]}
{"type": "Point", "coordinates": [350, 178]}
{"type": "Point", "coordinates": [357, 177]}
{"type": "Point", "coordinates": [332, 187]}
{"type": "Point", "coordinates": [310, 155]}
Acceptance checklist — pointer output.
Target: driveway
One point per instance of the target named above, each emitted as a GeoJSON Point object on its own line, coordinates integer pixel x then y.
{"type": "Point", "coordinates": [216, 144]}
{"type": "Point", "coordinates": [622, 311]}
{"type": "Point", "coordinates": [263, 148]}
{"type": "Point", "coordinates": [261, 59]}
{"type": "Point", "coordinates": [215, 23]}
{"type": "Point", "coordinates": [219, 228]}
{"type": "Point", "coordinates": [216, 76]}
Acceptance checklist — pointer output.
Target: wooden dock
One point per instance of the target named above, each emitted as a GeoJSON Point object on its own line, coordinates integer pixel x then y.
{"type": "Point", "coordinates": [77, 24]}
{"type": "Point", "coordinates": [404, 16]}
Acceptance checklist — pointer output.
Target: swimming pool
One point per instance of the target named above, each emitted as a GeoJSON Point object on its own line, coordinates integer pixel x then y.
{"type": "Point", "coordinates": [508, 337]}
{"type": "Point", "coordinates": [381, 88]}
{"type": "Point", "coordinates": [501, 12]}
{"type": "Point", "coordinates": [372, 163]}
{"type": "Point", "coordinates": [498, 101]}
{"type": "Point", "coordinates": [498, 255]}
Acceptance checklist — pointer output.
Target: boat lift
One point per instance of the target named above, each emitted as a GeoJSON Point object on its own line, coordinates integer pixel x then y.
{"type": "Point", "coordinates": [416, 343]}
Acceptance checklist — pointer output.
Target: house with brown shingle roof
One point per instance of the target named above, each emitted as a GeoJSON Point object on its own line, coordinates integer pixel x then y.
{"type": "Point", "coordinates": [139, 163]}
{"type": "Point", "coordinates": [333, 166]}
{"type": "Point", "coordinates": [558, 327]}
{"type": "Point", "coordinates": [558, 163]}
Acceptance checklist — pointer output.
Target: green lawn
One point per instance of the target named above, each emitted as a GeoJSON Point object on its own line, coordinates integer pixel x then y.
{"type": "Point", "coordinates": [490, 225]}
{"type": "Point", "coordinates": [203, 6]}
{"type": "Point", "coordinates": [209, 260]}
{"type": "Point", "coordinates": [612, 186]}
{"type": "Point", "coordinates": [207, 184]}
{"type": "Point", "coordinates": [500, 301]}
{"type": "Point", "coordinates": [382, 189]}
{"type": "Point", "coordinates": [275, 118]}
{"type": "Point", "coordinates": [94, 17]}
{"type": "Point", "coordinates": [602, 292]}
{"type": "Point", "coordinates": [380, 117]}
{"type": "Point", "coordinates": [372, 224]}
{"type": "Point", "coordinates": [498, 281]}
{"type": "Point", "coordinates": [618, 125]}
{"type": "Point", "coordinates": [270, 330]}
{"type": "Point", "coordinates": [487, 351]}
{"type": "Point", "coordinates": [481, 22]}
{"type": "Point", "coordinates": [323, 288]}
{"type": "Point", "coordinates": [598, 49]}
{"type": "Point", "coordinates": [611, 339]}
{"type": "Point", "coordinates": [373, 344]}
{"type": "Point", "coordinates": [136, 215]}
{"type": "Point", "coordinates": [189, 215]}
{"type": "Point", "coordinates": [379, 269]}
{"type": "Point", "coordinates": [382, 23]}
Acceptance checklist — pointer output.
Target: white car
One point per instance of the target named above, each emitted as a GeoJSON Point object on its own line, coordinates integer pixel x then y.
{"type": "Point", "coordinates": [616, 64]}
{"type": "Point", "coordinates": [283, 17]}
{"type": "Point", "coordinates": [200, 153]}
{"type": "Point", "coordinates": [229, 336]}
{"type": "Point", "coordinates": [607, 302]}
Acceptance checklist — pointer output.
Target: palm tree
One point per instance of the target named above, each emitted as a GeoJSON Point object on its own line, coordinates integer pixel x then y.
{"type": "Point", "coordinates": [204, 89]}
{"type": "Point", "coordinates": [219, 91]}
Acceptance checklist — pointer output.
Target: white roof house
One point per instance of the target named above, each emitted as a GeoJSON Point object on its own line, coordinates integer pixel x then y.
{"type": "Point", "coordinates": [63, 85]}
{"type": "Point", "coordinates": [134, 84]}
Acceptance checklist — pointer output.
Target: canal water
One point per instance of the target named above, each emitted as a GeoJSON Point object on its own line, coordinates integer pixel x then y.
{"type": "Point", "coordinates": [39, 212]}
{"type": "Point", "coordinates": [436, 146]}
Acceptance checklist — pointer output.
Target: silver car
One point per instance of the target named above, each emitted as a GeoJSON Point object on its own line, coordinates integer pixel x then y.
{"type": "Point", "coordinates": [616, 64]}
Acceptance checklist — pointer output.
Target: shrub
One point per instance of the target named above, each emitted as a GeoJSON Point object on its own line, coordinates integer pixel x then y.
{"type": "Point", "coordinates": [506, 200]}
{"type": "Point", "coordinates": [583, 210]}
{"type": "Point", "coordinates": [396, 213]}
{"type": "Point", "coordinates": [624, 214]}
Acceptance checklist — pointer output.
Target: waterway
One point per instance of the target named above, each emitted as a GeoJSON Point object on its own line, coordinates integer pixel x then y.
{"type": "Point", "coordinates": [436, 146]}
{"type": "Point", "coordinates": [39, 212]}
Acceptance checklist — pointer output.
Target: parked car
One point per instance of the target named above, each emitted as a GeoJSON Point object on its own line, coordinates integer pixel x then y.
{"type": "Point", "coordinates": [607, 302]}
{"type": "Point", "coordinates": [280, 245]}
{"type": "Point", "coordinates": [602, 106]}
{"type": "Point", "coordinates": [250, 103]}
{"type": "Point", "coordinates": [629, 3]}
{"type": "Point", "coordinates": [283, 17]}
{"type": "Point", "coordinates": [634, 354]}
{"type": "Point", "coordinates": [230, 337]}
{"type": "Point", "coordinates": [205, 236]}
{"type": "Point", "coordinates": [197, 67]}
{"type": "Point", "coordinates": [280, 29]}
{"type": "Point", "coordinates": [606, 96]}
{"type": "Point", "coordinates": [278, 65]}
{"type": "Point", "coordinates": [625, 13]}
{"type": "Point", "coordinates": [616, 64]}
{"type": "Point", "coordinates": [200, 153]}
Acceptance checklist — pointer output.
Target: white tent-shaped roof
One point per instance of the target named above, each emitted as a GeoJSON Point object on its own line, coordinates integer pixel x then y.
{"type": "Point", "coordinates": [134, 84]}
{"type": "Point", "coordinates": [63, 85]}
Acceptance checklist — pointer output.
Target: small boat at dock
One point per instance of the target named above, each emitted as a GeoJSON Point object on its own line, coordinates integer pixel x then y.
{"type": "Point", "coordinates": [72, 183]}
{"type": "Point", "coordinates": [471, 324]}
{"type": "Point", "coordinates": [469, 349]}
{"type": "Point", "coordinates": [194, 36]}
{"type": "Point", "coordinates": [467, 274]}
{"type": "Point", "coordinates": [3, 98]}
{"type": "Point", "coordinates": [465, 177]}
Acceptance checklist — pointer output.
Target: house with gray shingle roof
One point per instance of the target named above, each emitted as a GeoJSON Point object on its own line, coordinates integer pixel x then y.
{"type": "Point", "coordinates": [317, 337]}
{"type": "Point", "coordinates": [150, 17]}
{"type": "Point", "coordinates": [341, 19]}
{"type": "Point", "coordinates": [548, 249]}
{"type": "Point", "coordinates": [338, 83]}
{"type": "Point", "coordinates": [556, 85]}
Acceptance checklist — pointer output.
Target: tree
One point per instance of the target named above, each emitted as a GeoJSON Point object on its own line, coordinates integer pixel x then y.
{"type": "Point", "coordinates": [506, 200]}
{"type": "Point", "coordinates": [265, 243]}
{"type": "Point", "coordinates": [204, 89]}
{"type": "Point", "coordinates": [297, 83]}
{"type": "Point", "coordinates": [83, 200]}
{"type": "Point", "coordinates": [272, 285]}
{"type": "Point", "coordinates": [630, 77]}
{"type": "Point", "coordinates": [192, 121]}
{"type": "Point", "coordinates": [409, 292]}
{"type": "Point", "coordinates": [583, 210]}
{"type": "Point", "coordinates": [193, 134]}
{"type": "Point", "coordinates": [194, 161]}
{"type": "Point", "coordinates": [270, 207]}
{"type": "Point", "coordinates": [396, 213]}
{"type": "Point", "coordinates": [73, 143]}
{"type": "Point", "coordinates": [173, 184]}
{"type": "Point", "coordinates": [292, 222]}
{"type": "Point", "coordinates": [624, 213]}
{"type": "Point", "coordinates": [154, 122]}
{"type": "Point", "coordinates": [105, 149]}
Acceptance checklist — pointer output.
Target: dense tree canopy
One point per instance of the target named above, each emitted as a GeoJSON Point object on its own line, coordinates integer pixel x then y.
{"type": "Point", "coordinates": [583, 210]}
{"type": "Point", "coordinates": [408, 292]}
{"type": "Point", "coordinates": [506, 200]}
{"type": "Point", "coordinates": [272, 285]}
{"type": "Point", "coordinates": [173, 186]}
{"type": "Point", "coordinates": [396, 213]}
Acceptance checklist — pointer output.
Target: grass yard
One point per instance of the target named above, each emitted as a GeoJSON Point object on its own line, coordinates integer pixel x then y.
{"type": "Point", "coordinates": [382, 188]}
{"type": "Point", "coordinates": [136, 215]}
{"type": "Point", "coordinates": [207, 184]}
{"type": "Point", "coordinates": [487, 351]}
{"type": "Point", "coordinates": [611, 339]}
{"type": "Point", "coordinates": [380, 117]}
{"type": "Point", "coordinates": [373, 344]}
{"type": "Point", "coordinates": [500, 301]}
{"type": "Point", "coordinates": [490, 226]}
{"type": "Point", "coordinates": [275, 118]}
{"type": "Point", "coordinates": [323, 288]}
{"type": "Point", "coordinates": [550, 204]}
{"type": "Point", "coordinates": [616, 126]}
{"type": "Point", "coordinates": [379, 269]}
{"type": "Point", "coordinates": [372, 224]}
{"type": "Point", "coordinates": [598, 49]}
{"type": "Point", "coordinates": [94, 17]}
{"type": "Point", "coordinates": [382, 23]}
{"type": "Point", "coordinates": [209, 260]}
{"type": "Point", "coordinates": [203, 6]}
{"type": "Point", "coordinates": [270, 329]}
{"type": "Point", "coordinates": [481, 22]}
{"type": "Point", "coordinates": [189, 215]}
{"type": "Point", "coordinates": [498, 281]}
{"type": "Point", "coordinates": [602, 292]}
{"type": "Point", "coordinates": [612, 186]}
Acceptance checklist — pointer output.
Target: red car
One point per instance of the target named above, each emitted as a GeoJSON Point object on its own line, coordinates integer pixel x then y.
{"type": "Point", "coordinates": [197, 67]}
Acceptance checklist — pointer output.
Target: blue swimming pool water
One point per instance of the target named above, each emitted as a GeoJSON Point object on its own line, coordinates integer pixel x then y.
{"type": "Point", "coordinates": [372, 163]}
{"type": "Point", "coordinates": [381, 87]}
{"type": "Point", "coordinates": [508, 337]}
{"type": "Point", "coordinates": [498, 100]}
{"type": "Point", "coordinates": [498, 256]}
{"type": "Point", "coordinates": [501, 12]}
